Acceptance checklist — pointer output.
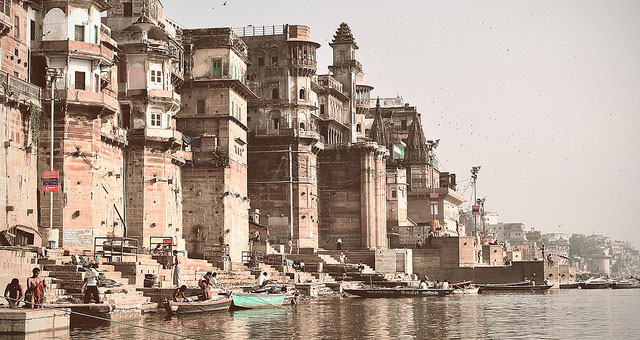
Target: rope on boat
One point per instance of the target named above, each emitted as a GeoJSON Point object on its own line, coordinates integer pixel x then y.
{"type": "Point", "coordinates": [103, 319]}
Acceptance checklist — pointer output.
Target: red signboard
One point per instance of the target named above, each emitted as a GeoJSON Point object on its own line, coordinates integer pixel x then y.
{"type": "Point", "coordinates": [476, 210]}
{"type": "Point", "coordinates": [433, 199]}
{"type": "Point", "coordinates": [50, 181]}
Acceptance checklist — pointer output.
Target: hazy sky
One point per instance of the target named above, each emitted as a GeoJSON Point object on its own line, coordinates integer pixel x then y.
{"type": "Point", "coordinates": [544, 95]}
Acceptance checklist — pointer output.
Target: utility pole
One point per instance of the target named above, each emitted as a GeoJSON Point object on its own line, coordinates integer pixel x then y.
{"type": "Point", "coordinates": [474, 176]}
{"type": "Point", "coordinates": [53, 74]}
{"type": "Point", "coordinates": [433, 197]}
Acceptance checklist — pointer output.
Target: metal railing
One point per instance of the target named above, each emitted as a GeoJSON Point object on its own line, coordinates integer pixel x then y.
{"type": "Point", "coordinates": [115, 247]}
{"type": "Point", "coordinates": [17, 86]}
{"type": "Point", "coordinates": [254, 31]}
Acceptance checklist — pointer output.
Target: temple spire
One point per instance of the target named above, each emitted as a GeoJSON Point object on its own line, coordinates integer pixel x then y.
{"type": "Point", "coordinates": [416, 151]}
{"type": "Point", "coordinates": [378, 133]}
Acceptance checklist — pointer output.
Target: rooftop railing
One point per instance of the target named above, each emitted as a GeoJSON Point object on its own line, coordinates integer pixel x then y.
{"type": "Point", "coordinates": [255, 31]}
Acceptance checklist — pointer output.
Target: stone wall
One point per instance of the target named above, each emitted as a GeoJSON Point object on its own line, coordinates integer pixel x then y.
{"type": "Point", "coordinates": [91, 180]}
{"type": "Point", "coordinates": [394, 261]}
{"type": "Point", "coordinates": [352, 182]}
{"type": "Point", "coordinates": [18, 169]}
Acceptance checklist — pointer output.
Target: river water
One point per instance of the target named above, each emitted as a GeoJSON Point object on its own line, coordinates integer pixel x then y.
{"type": "Point", "coordinates": [565, 314]}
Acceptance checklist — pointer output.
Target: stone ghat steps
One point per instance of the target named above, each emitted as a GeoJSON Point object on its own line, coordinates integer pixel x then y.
{"type": "Point", "coordinates": [365, 257]}
{"type": "Point", "coordinates": [68, 278]}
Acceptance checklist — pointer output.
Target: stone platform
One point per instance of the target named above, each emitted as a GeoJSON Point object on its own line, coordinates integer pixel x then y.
{"type": "Point", "coordinates": [27, 321]}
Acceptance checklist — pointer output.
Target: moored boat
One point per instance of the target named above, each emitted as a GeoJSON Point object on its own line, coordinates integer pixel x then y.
{"type": "Point", "coordinates": [570, 285]}
{"type": "Point", "coordinates": [219, 302]}
{"type": "Point", "coordinates": [625, 284]}
{"type": "Point", "coordinates": [397, 292]}
{"type": "Point", "coordinates": [502, 287]}
{"type": "Point", "coordinates": [257, 300]}
{"type": "Point", "coordinates": [596, 283]}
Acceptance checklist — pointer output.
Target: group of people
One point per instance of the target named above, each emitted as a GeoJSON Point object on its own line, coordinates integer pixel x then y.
{"type": "Point", "coordinates": [206, 283]}
{"type": "Point", "coordinates": [33, 297]}
{"type": "Point", "coordinates": [437, 285]}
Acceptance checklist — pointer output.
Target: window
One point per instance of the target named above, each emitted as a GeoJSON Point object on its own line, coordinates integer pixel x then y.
{"type": "Point", "coordinates": [274, 60]}
{"type": "Point", "coordinates": [260, 61]}
{"type": "Point", "coordinates": [393, 194]}
{"type": "Point", "coordinates": [80, 80]}
{"type": "Point", "coordinates": [358, 128]}
{"type": "Point", "coordinates": [97, 84]}
{"type": "Point", "coordinates": [275, 123]}
{"type": "Point", "coordinates": [216, 68]}
{"type": "Point", "coordinates": [16, 27]}
{"type": "Point", "coordinates": [403, 124]}
{"type": "Point", "coordinates": [5, 6]}
{"type": "Point", "coordinates": [302, 94]}
{"type": "Point", "coordinates": [33, 30]}
{"type": "Point", "coordinates": [79, 33]}
{"type": "Point", "coordinates": [95, 34]}
{"type": "Point", "coordinates": [128, 9]}
{"type": "Point", "coordinates": [200, 107]}
{"type": "Point", "coordinates": [156, 119]}
{"type": "Point", "coordinates": [275, 94]}
{"type": "Point", "coordinates": [321, 109]}
{"type": "Point", "coordinates": [156, 76]}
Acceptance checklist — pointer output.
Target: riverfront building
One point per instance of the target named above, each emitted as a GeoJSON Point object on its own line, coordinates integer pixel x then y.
{"type": "Point", "coordinates": [167, 134]}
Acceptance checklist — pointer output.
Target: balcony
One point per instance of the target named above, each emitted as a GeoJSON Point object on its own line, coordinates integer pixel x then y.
{"type": "Point", "coordinates": [20, 90]}
{"type": "Point", "coordinates": [77, 49]}
{"type": "Point", "coordinates": [163, 135]}
{"type": "Point", "coordinates": [5, 24]}
{"type": "Point", "coordinates": [164, 96]}
{"type": "Point", "coordinates": [275, 132]}
{"type": "Point", "coordinates": [450, 195]}
{"type": "Point", "coordinates": [85, 98]}
{"type": "Point", "coordinates": [113, 134]}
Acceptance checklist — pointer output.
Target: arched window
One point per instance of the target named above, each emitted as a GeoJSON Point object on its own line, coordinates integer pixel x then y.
{"type": "Point", "coordinates": [274, 120]}
{"type": "Point", "coordinates": [302, 126]}
{"type": "Point", "coordinates": [302, 94]}
{"type": "Point", "coordinates": [275, 93]}
{"type": "Point", "coordinates": [358, 128]}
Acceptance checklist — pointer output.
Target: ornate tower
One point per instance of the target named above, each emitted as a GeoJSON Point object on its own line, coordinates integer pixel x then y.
{"type": "Point", "coordinates": [345, 70]}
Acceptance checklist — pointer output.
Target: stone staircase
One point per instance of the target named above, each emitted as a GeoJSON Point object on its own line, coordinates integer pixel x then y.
{"type": "Point", "coordinates": [65, 276]}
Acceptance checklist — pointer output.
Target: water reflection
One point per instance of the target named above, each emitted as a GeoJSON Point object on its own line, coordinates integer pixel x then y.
{"type": "Point", "coordinates": [586, 314]}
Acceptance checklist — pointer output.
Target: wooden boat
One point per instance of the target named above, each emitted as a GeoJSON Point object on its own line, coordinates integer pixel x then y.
{"type": "Point", "coordinates": [220, 302]}
{"type": "Point", "coordinates": [625, 284]}
{"type": "Point", "coordinates": [397, 292]}
{"type": "Point", "coordinates": [257, 300]}
{"type": "Point", "coordinates": [502, 287]}
{"type": "Point", "coordinates": [598, 283]}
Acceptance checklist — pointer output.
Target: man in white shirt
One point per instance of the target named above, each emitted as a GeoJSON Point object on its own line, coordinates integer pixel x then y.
{"type": "Point", "coordinates": [445, 284]}
{"type": "Point", "coordinates": [423, 285]}
{"type": "Point", "coordinates": [91, 283]}
{"type": "Point", "coordinates": [262, 280]}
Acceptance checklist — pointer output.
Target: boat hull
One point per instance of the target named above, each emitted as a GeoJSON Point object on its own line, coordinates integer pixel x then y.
{"type": "Point", "coordinates": [626, 285]}
{"type": "Point", "coordinates": [251, 301]}
{"type": "Point", "coordinates": [216, 304]}
{"type": "Point", "coordinates": [514, 288]}
{"type": "Point", "coordinates": [604, 285]}
{"type": "Point", "coordinates": [398, 292]}
{"type": "Point", "coordinates": [570, 285]}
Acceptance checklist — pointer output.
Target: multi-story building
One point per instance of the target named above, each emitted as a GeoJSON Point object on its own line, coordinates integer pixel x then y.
{"type": "Point", "coordinates": [20, 113]}
{"type": "Point", "coordinates": [88, 137]}
{"type": "Point", "coordinates": [214, 119]}
{"type": "Point", "coordinates": [352, 171]}
{"type": "Point", "coordinates": [284, 140]}
{"type": "Point", "coordinates": [150, 71]}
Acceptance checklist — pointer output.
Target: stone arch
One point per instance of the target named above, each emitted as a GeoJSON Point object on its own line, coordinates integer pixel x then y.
{"type": "Point", "coordinates": [54, 26]}
{"type": "Point", "coordinates": [275, 93]}
{"type": "Point", "coordinates": [275, 120]}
